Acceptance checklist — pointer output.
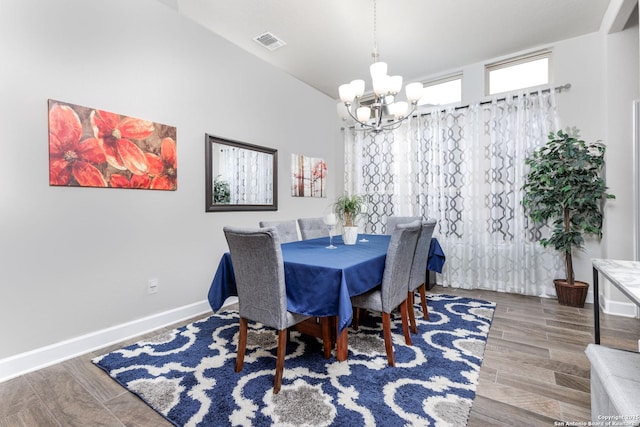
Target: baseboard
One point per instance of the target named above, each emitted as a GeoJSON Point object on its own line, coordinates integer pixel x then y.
{"type": "Point", "coordinates": [618, 308]}
{"type": "Point", "coordinates": [615, 308]}
{"type": "Point", "coordinates": [33, 360]}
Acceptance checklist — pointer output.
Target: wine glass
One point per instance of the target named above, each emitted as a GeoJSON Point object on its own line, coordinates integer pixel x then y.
{"type": "Point", "coordinates": [330, 222]}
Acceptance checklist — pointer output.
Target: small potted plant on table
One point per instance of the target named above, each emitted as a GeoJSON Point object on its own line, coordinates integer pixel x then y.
{"type": "Point", "coordinates": [565, 186]}
{"type": "Point", "coordinates": [347, 209]}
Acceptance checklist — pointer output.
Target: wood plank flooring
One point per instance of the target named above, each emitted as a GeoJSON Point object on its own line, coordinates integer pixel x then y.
{"type": "Point", "coordinates": [534, 373]}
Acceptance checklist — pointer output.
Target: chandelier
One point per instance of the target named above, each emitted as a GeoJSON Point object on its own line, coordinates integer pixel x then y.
{"type": "Point", "coordinates": [383, 112]}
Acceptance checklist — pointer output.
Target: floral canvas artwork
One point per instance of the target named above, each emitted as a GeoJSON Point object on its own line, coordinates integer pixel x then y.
{"type": "Point", "coordinates": [95, 148]}
{"type": "Point", "coordinates": [308, 176]}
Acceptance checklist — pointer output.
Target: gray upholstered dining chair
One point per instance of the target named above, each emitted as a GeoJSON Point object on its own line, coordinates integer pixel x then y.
{"type": "Point", "coordinates": [262, 297]}
{"type": "Point", "coordinates": [393, 290]}
{"type": "Point", "coordinates": [419, 274]}
{"type": "Point", "coordinates": [392, 221]}
{"type": "Point", "coordinates": [312, 228]}
{"type": "Point", "coordinates": [287, 230]}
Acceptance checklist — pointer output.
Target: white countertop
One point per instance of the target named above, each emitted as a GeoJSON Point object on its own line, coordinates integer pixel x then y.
{"type": "Point", "coordinates": [624, 275]}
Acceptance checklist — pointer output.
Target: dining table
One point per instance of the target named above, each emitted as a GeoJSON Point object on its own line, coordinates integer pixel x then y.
{"type": "Point", "coordinates": [321, 281]}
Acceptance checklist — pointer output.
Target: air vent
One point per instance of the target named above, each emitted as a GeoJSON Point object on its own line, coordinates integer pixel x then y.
{"type": "Point", "coordinates": [269, 40]}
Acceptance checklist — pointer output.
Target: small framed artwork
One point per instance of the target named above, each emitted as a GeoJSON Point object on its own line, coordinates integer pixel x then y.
{"type": "Point", "coordinates": [89, 147]}
{"type": "Point", "coordinates": [308, 176]}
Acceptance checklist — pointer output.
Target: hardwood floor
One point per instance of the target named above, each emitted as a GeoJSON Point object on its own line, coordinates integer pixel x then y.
{"type": "Point", "coordinates": [534, 373]}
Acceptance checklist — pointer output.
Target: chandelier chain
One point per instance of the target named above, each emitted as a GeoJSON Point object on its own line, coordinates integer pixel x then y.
{"type": "Point", "coordinates": [375, 53]}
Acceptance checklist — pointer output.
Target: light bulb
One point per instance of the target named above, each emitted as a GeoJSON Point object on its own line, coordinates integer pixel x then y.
{"type": "Point", "coordinates": [400, 109]}
{"type": "Point", "coordinates": [378, 69]}
{"type": "Point", "coordinates": [396, 84]}
{"type": "Point", "coordinates": [414, 91]}
{"type": "Point", "coordinates": [346, 93]}
{"type": "Point", "coordinates": [363, 114]}
{"type": "Point", "coordinates": [358, 87]}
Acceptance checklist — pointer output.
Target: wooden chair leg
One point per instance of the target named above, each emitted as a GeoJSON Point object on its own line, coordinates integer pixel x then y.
{"type": "Point", "coordinates": [388, 343]}
{"type": "Point", "coordinates": [405, 323]}
{"type": "Point", "coordinates": [333, 329]}
{"type": "Point", "coordinates": [355, 323]}
{"type": "Point", "coordinates": [412, 313]}
{"type": "Point", "coordinates": [423, 300]}
{"type": "Point", "coordinates": [326, 336]}
{"type": "Point", "coordinates": [282, 349]}
{"type": "Point", "coordinates": [242, 344]}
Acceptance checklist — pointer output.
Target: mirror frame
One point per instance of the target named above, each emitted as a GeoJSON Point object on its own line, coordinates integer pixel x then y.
{"type": "Point", "coordinates": [212, 207]}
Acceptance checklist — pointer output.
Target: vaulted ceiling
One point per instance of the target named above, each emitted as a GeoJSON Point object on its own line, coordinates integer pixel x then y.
{"type": "Point", "coordinates": [329, 42]}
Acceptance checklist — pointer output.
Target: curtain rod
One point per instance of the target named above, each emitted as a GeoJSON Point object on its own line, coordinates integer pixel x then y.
{"type": "Point", "coordinates": [560, 88]}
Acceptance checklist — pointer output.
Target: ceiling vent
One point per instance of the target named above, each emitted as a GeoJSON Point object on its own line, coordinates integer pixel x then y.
{"type": "Point", "coordinates": [269, 40]}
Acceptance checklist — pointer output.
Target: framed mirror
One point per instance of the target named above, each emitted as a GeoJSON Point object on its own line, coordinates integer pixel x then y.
{"type": "Point", "coordinates": [240, 176]}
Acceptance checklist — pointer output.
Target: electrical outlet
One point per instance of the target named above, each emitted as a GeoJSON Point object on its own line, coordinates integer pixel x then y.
{"type": "Point", "coordinates": [152, 286]}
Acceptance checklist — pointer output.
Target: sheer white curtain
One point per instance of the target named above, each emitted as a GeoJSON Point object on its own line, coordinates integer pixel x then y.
{"type": "Point", "coordinates": [465, 168]}
{"type": "Point", "coordinates": [248, 173]}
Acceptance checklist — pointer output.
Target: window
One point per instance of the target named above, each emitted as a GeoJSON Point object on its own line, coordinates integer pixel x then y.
{"type": "Point", "coordinates": [442, 91]}
{"type": "Point", "coordinates": [518, 73]}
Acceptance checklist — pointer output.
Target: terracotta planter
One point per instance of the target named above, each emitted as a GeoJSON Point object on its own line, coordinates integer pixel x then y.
{"type": "Point", "coordinates": [572, 296]}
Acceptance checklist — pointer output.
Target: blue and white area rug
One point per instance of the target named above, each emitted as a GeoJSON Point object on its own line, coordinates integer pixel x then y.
{"type": "Point", "coordinates": [187, 375]}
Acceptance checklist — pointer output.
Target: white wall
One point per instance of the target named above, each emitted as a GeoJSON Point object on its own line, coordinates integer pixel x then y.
{"type": "Point", "coordinates": [622, 89]}
{"type": "Point", "coordinates": [77, 260]}
{"type": "Point", "coordinates": [603, 71]}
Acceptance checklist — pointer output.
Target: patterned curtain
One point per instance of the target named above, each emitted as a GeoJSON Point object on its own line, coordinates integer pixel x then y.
{"type": "Point", "coordinates": [248, 173]}
{"type": "Point", "coordinates": [465, 168]}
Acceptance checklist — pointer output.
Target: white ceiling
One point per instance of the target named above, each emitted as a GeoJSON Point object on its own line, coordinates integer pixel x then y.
{"type": "Point", "coordinates": [329, 42]}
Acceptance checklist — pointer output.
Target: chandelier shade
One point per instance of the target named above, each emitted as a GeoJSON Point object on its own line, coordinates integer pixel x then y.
{"type": "Point", "coordinates": [381, 111]}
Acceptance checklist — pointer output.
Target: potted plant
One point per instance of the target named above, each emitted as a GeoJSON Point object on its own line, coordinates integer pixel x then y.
{"type": "Point", "coordinates": [347, 209]}
{"type": "Point", "coordinates": [221, 191]}
{"type": "Point", "coordinates": [565, 186]}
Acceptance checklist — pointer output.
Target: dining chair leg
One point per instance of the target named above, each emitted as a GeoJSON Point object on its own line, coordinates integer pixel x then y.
{"type": "Point", "coordinates": [326, 336]}
{"type": "Point", "coordinates": [386, 332]}
{"type": "Point", "coordinates": [405, 323]}
{"type": "Point", "coordinates": [333, 329]}
{"type": "Point", "coordinates": [423, 300]}
{"type": "Point", "coordinates": [282, 349]}
{"type": "Point", "coordinates": [412, 312]}
{"type": "Point", "coordinates": [242, 344]}
{"type": "Point", "coordinates": [355, 322]}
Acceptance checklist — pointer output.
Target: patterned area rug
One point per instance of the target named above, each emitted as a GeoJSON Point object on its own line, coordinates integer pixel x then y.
{"type": "Point", "coordinates": [187, 375]}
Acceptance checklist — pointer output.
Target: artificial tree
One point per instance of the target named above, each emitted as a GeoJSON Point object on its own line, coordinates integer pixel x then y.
{"type": "Point", "coordinates": [565, 186]}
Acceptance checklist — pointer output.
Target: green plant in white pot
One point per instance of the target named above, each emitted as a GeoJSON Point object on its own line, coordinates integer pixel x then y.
{"type": "Point", "coordinates": [347, 209]}
{"type": "Point", "coordinates": [565, 187]}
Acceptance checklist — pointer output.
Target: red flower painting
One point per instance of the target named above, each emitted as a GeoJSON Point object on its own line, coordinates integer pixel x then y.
{"type": "Point", "coordinates": [163, 168]}
{"type": "Point", "coordinates": [136, 181]}
{"type": "Point", "coordinates": [95, 148]}
{"type": "Point", "coordinates": [69, 157]}
{"type": "Point", "coordinates": [114, 134]}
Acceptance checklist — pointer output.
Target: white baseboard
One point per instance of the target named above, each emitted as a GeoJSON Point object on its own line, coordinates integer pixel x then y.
{"type": "Point", "coordinates": [618, 308]}
{"type": "Point", "coordinates": [615, 308]}
{"type": "Point", "coordinates": [39, 358]}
